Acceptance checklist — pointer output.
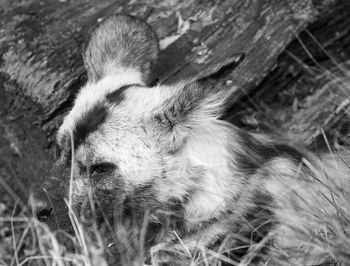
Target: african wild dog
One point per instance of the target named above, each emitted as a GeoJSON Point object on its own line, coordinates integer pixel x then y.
{"type": "Point", "coordinates": [163, 151]}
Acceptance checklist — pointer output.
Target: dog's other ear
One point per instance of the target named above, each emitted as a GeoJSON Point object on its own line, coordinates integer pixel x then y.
{"type": "Point", "coordinates": [215, 70]}
{"type": "Point", "coordinates": [219, 69]}
{"type": "Point", "coordinates": [121, 43]}
{"type": "Point", "coordinates": [192, 103]}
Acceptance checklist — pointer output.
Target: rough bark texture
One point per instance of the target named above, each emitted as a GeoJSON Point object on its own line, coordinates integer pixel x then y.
{"type": "Point", "coordinates": [308, 91]}
{"type": "Point", "coordinates": [41, 66]}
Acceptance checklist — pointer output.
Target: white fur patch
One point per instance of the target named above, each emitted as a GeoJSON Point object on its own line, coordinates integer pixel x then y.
{"type": "Point", "coordinates": [207, 148]}
{"type": "Point", "coordinates": [93, 93]}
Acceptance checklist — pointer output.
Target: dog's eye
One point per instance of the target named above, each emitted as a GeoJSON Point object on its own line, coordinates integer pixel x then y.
{"type": "Point", "coordinates": [102, 168]}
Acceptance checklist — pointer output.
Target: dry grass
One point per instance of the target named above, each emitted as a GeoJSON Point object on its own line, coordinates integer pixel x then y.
{"type": "Point", "coordinates": [30, 242]}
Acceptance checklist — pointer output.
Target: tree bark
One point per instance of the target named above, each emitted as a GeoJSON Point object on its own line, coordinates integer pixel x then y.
{"type": "Point", "coordinates": [41, 67]}
{"type": "Point", "coordinates": [308, 91]}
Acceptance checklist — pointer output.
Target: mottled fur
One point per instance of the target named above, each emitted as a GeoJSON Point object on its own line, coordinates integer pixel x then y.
{"type": "Point", "coordinates": [162, 152]}
{"type": "Point", "coordinates": [119, 43]}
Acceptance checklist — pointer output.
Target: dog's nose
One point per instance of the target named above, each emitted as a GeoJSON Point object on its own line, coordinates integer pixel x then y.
{"type": "Point", "coordinates": [44, 213]}
{"type": "Point", "coordinates": [40, 208]}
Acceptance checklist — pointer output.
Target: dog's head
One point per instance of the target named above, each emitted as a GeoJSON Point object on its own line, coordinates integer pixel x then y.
{"type": "Point", "coordinates": [125, 145]}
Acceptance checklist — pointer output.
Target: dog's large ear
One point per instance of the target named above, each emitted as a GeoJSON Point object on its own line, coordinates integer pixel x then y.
{"type": "Point", "coordinates": [121, 43]}
{"type": "Point", "coordinates": [191, 104]}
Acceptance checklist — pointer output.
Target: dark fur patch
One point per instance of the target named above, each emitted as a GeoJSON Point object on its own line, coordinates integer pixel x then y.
{"type": "Point", "coordinates": [88, 123]}
{"type": "Point", "coordinates": [254, 153]}
{"type": "Point", "coordinates": [163, 216]}
{"type": "Point", "coordinates": [117, 96]}
{"type": "Point", "coordinates": [221, 69]}
{"type": "Point", "coordinates": [143, 195]}
{"type": "Point", "coordinates": [254, 225]}
{"type": "Point", "coordinates": [260, 216]}
{"type": "Point", "coordinates": [143, 198]}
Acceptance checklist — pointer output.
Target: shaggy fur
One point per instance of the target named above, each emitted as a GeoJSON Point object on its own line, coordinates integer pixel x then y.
{"type": "Point", "coordinates": [119, 43]}
{"type": "Point", "coordinates": [162, 152]}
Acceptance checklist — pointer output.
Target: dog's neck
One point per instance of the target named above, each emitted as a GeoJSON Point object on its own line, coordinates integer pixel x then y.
{"type": "Point", "coordinates": [210, 170]}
